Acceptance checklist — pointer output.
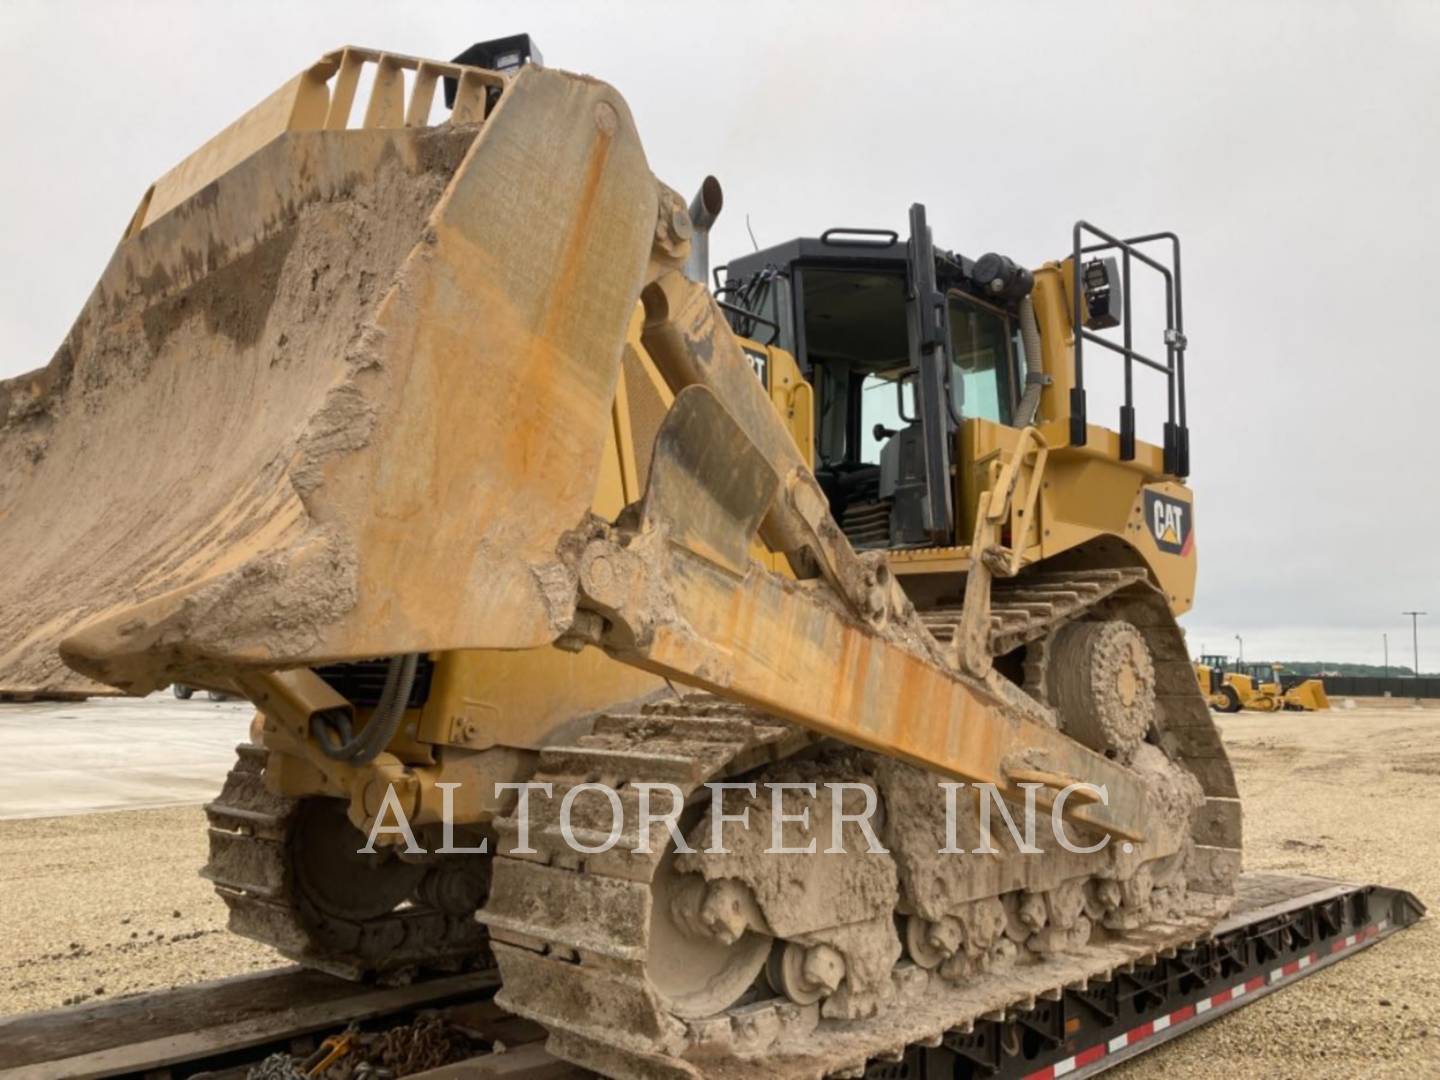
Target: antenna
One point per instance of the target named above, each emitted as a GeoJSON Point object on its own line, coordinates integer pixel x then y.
{"type": "Point", "coordinates": [751, 232]}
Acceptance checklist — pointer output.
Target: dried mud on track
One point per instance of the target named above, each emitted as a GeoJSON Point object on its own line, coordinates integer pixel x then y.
{"type": "Point", "coordinates": [88, 901]}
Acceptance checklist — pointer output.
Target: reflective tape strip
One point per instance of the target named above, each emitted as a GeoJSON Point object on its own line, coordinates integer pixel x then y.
{"type": "Point", "coordinates": [1151, 1028]}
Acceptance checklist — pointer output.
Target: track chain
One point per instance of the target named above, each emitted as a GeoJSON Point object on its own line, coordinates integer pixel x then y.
{"type": "Point", "coordinates": [250, 852]}
{"type": "Point", "coordinates": [1028, 607]}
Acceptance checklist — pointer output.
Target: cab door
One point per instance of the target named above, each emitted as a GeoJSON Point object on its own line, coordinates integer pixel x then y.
{"type": "Point", "coordinates": [930, 372]}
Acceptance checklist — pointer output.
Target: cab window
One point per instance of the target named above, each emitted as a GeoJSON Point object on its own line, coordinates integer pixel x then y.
{"type": "Point", "coordinates": [881, 407]}
{"type": "Point", "coordinates": [982, 360]}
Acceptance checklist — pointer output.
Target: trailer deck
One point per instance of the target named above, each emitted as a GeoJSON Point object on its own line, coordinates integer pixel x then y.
{"type": "Point", "coordinates": [1284, 928]}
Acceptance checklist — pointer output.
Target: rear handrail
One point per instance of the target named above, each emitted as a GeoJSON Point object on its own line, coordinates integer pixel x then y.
{"type": "Point", "coordinates": [1177, 430]}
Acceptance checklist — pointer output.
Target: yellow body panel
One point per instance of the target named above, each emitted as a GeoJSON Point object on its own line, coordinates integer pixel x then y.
{"type": "Point", "coordinates": [525, 699]}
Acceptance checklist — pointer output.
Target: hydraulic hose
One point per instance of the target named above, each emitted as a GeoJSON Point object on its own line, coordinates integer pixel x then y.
{"type": "Point", "coordinates": [1034, 365]}
{"type": "Point", "coordinates": [332, 730]}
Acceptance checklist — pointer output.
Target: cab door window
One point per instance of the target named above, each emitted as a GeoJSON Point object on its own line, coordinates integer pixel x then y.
{"type": "Point", "coordinates": [982, 363]}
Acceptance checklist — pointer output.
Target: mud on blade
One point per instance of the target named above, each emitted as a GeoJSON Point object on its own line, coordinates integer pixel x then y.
{"type": "Point", "coordinates": [301, 412]}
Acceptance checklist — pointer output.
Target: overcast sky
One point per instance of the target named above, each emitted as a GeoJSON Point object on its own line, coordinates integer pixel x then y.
{"type": "Point", "coordinates": [1293, 146]}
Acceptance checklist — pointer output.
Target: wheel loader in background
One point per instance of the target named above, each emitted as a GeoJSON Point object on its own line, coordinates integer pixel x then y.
{"type": "Point", "coordinates": [1257, 687]}
{"type": "Point", "coordinates": [479, 485]}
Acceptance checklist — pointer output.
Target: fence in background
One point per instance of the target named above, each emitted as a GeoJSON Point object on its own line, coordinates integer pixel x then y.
{"type": "Point", "coordinates": [1371, 686]}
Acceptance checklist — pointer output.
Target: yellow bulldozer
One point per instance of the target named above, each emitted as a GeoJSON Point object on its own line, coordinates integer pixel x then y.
{"type": "Point", "coordinates": [413, 420]}
{"type": "Point", "coordinates": [1257, 687]}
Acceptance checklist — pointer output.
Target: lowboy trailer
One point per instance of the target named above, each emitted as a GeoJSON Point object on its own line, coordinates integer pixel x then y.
{"type": "Point", "coordinates": [1284, 928]}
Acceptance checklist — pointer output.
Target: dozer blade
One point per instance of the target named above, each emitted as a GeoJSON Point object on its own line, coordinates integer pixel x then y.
{"type": "Point", "coordinates": [340, 399]}
{"type": "Point", "coordinates": [1309, 695]}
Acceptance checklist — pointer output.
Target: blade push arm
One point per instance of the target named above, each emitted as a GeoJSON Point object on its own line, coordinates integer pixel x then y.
{"type": "Point", "coordinates": [668, 593]}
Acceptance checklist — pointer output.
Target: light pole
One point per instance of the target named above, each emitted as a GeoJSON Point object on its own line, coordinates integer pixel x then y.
{"type": "Point", "coordinates": [1240, 659]}
{"type": "Point", "coordinates": [1386, 638]}
{"type": "Point", "coordinates": [1415, 635]}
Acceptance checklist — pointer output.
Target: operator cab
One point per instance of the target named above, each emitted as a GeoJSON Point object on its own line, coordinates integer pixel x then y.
{"type": "Point", "coordinates": [1216, 666]}
{"type": "Point", "coordinates": [901, 344]}
{"type": "Point", "coordinates": [1261, 673]}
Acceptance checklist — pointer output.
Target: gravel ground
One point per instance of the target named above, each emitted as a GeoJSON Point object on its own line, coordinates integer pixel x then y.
{"type": "Point", "coordinates": [105, 904]}
{"type": "Point", "coordinates": [96, 905]}
{"type": "Point", "coordinates": [1352, 794]}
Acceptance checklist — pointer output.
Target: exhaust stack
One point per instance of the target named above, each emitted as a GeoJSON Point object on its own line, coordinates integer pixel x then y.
{"type": "Point", "coordinates": [704, 209]}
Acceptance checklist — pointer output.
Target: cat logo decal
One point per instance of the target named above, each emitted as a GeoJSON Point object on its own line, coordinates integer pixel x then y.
{"type": "Point", "coordinates": [1171, 523]}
